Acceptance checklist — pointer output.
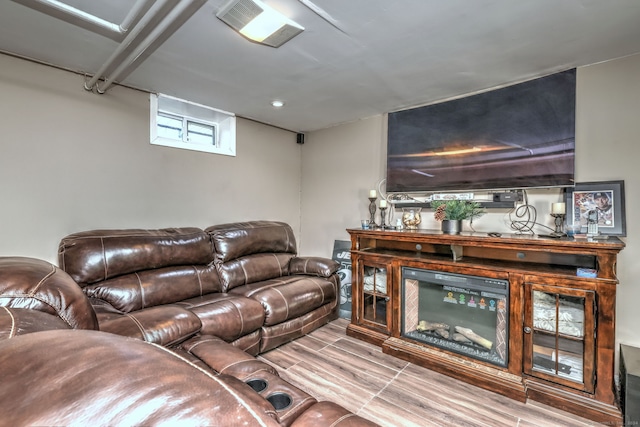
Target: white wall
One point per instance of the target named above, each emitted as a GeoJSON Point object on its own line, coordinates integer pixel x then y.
{"type": "Point", "coordinates": [341, 164]}
{"type": "Point", "coordinates": [608, 129]}
{"type": "Point", "coordinates": [71, 160]}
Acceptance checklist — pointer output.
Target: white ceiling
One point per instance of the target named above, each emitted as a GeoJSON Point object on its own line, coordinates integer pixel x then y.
{"type": "Point", "coordinates": [377, 56]}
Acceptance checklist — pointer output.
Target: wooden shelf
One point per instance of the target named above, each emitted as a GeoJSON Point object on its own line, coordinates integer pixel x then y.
{"type": "Point", "coordinates": [484, 204]}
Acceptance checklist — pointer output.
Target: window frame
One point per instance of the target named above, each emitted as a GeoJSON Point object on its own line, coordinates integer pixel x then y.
{"type": "Point", "coordinates": [223, 125]}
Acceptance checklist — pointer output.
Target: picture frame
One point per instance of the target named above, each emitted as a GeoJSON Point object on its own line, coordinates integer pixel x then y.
{"type": "Point", "coordinates": [606, 198]}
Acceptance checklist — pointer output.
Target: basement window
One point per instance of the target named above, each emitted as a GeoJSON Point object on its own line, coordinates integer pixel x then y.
{"type": "Point", "coordinates": [183, 124]}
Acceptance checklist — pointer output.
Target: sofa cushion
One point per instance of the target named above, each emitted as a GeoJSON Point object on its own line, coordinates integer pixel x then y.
{"type": "Point", "coordinates": [289, 297]}
{"type": "Point", "coordinates": [151, 288]}
{"type": "Point", "coordinates": [235, 240]}
{"type": "Point", "coordinates": [313, 266]}
{"type": "Point", "coordinates": [38, 285]}
{"type": "Point", "coordinates": [166, 325]}
{"type": "Point", "coordinates": [253, 268]}
{"type": "Point", "coordinates": [225, 315]}
{"type": "Point", "coordinates": [92, 256]}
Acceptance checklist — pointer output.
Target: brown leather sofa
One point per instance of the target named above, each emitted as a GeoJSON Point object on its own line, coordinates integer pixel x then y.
{"type": "Point", "coordinates": [157, 329]}
{"type": "Point", "coordinates": [57, 368]}
{"type": "Point", "coordinates": [243, 282]}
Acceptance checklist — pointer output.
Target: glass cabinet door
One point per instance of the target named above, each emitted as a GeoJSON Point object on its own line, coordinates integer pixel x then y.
{"type": "Point", "coordinates": [375, 298]}
{"type": "Point", "coordinates": [559, 335]}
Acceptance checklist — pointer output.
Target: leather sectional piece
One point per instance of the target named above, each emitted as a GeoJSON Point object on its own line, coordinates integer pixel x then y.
{"type": "Point", "coordinates": [162, 326]}
{"type": "Point", "coordinates": [244, 281]}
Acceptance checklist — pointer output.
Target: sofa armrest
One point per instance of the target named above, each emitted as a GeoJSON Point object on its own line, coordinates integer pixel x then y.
{"type": "Point", "coordinates": [34, 284]}
{"type": "Point", "coordinates": [21, 321]}
{"type": "Point", "coordinates": [163, 325]}
{"type": "Point", "coordinates": [313, 266]}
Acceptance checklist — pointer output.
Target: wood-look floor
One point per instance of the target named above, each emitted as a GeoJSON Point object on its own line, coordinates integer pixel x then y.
{"type": "Point", "coordinates": [329, 365]}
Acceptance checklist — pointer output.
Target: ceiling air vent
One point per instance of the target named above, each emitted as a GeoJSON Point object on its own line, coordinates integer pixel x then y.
{"type": "Point", "coordinates": [259, 22]}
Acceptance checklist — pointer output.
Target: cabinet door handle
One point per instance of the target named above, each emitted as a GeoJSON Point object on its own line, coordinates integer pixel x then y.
{"type": "Point", "coordinates": [527, 330]}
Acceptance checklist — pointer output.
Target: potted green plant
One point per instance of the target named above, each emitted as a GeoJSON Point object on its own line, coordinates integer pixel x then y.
{"type": "Point", "coordinates": [452, 212]}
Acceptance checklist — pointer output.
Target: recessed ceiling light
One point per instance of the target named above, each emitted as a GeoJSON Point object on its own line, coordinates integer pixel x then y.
{"type": "Point", "coordinates": [277, 104]}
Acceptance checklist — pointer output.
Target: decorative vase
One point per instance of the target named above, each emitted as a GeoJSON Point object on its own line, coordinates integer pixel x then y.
{"type": "Point", "coordinates": [411, 218]}
{"type": "Point", "coordinates": [452, 226]}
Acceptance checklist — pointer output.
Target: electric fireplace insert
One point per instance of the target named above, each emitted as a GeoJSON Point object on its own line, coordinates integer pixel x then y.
{"type": "Point", "coordinates": [465, 314]}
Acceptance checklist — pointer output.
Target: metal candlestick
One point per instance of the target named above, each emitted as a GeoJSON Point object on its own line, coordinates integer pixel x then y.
{"type": "Point", "coordinates": [382, 218]}
{"type": "Point", "coordinates": [559, 222]}
{"type": "Point", "coordinates": [372, 211]}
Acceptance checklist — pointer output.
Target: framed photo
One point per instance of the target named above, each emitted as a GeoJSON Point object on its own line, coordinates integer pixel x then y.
{"type": "Point", "coordinates": [604, 199]}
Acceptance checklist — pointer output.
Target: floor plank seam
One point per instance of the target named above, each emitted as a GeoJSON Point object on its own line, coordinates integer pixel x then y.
{"type": "Point", "coordinates": [382, 364]}
{"type": "Point", "coordinates": [383, 388]}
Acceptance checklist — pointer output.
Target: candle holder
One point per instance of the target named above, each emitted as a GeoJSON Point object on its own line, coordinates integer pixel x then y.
{"type": "Point", "coordinates": [383, 223]}
{"type": "Point", "coordinates": [372, 212]}
{"type": "Point", "coordinates": [559, 223]}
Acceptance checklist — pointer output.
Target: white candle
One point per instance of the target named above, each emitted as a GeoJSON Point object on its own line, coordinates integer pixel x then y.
{"type": "Point", "coordinates": [558, 208]}
{"type": "Point", "coordinates": [373, 194]}
{"type": "Point", "coordinates": [383, 204]}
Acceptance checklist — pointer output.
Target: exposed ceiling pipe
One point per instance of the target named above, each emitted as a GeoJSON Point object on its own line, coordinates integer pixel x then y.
{"type": "Point", "coordinates": [130, 40]}
{"type": "Point", "coordinates": [80, 18]}
{"type": "Point", "coordinates": [167, 25]}
{"type": "Point", "coordinates": [133, 13]}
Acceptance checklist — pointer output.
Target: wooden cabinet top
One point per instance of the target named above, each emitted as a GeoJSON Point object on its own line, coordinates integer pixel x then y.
{"type": "Point", "coordinates": [481, 239]}
{"type": "Point", "coordinates": [509, 251]}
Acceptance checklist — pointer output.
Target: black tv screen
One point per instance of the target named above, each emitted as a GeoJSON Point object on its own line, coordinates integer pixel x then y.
{"type": "Point", "coordinates": [515, 137]}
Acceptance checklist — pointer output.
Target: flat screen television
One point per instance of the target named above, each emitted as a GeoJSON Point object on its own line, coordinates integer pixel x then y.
{"type": "Point", "coordinates": [516, 137]}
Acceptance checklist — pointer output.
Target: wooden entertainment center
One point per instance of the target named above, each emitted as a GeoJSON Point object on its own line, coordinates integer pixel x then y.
{"type": "Point", "coordinates": [560, 327]}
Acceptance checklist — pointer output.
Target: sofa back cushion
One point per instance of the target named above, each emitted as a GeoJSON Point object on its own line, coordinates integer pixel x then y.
{"type": "Point", "coordinates": [150, 288]}
{"type": "Point", "coordinates": [247, 252]}
{"type": "Point", "coordinates": [93, 256]}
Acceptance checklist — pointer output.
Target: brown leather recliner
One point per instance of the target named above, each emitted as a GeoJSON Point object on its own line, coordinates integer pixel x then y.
{"type": "Point", "coordinates": [258, 260]}
{"type": "Point", "coordinates": [94, 378]}
{"type": "Point", "coordinates": [134, 278]}
{"type": "Point", "coordinates": [55, 373]}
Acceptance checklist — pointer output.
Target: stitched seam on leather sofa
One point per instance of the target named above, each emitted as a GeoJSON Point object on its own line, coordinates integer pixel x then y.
{"type": "Point", "coordinates": [278, 262]}
{"type": "Point", "coordinates": [286, 303]}
{"type": "Point", "coordinates": [199, 278]}
{"type": "Point", "coordinates": [140, 327]}
{"type": "Point", "coordinates": [143, 303]}
{"type": "Point", "coordinates": [318, 285]}
{"type": "Point", "coordinates": [35, 289]}
{"type": "Point", "coordinates": [341, 419]}
{"type": "Point", "coordinates": [58, 310]}
{"type": "Point", "coordinates": [246, 278]}
{"type": "Point", "coordinates": [241, 317]}
{"type": "Point", "coordinates": [14, 327]}
{"type": "Point", "coordinates": [292, 408]}
{"type": "Point", "coordinates": [104, 259]}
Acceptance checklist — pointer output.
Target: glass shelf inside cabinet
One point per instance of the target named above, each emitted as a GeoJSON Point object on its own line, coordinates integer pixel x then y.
{"type": "Point", "coordinates": [376, 297]}
{"type": "Point", "coordinates": [558, 335]}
